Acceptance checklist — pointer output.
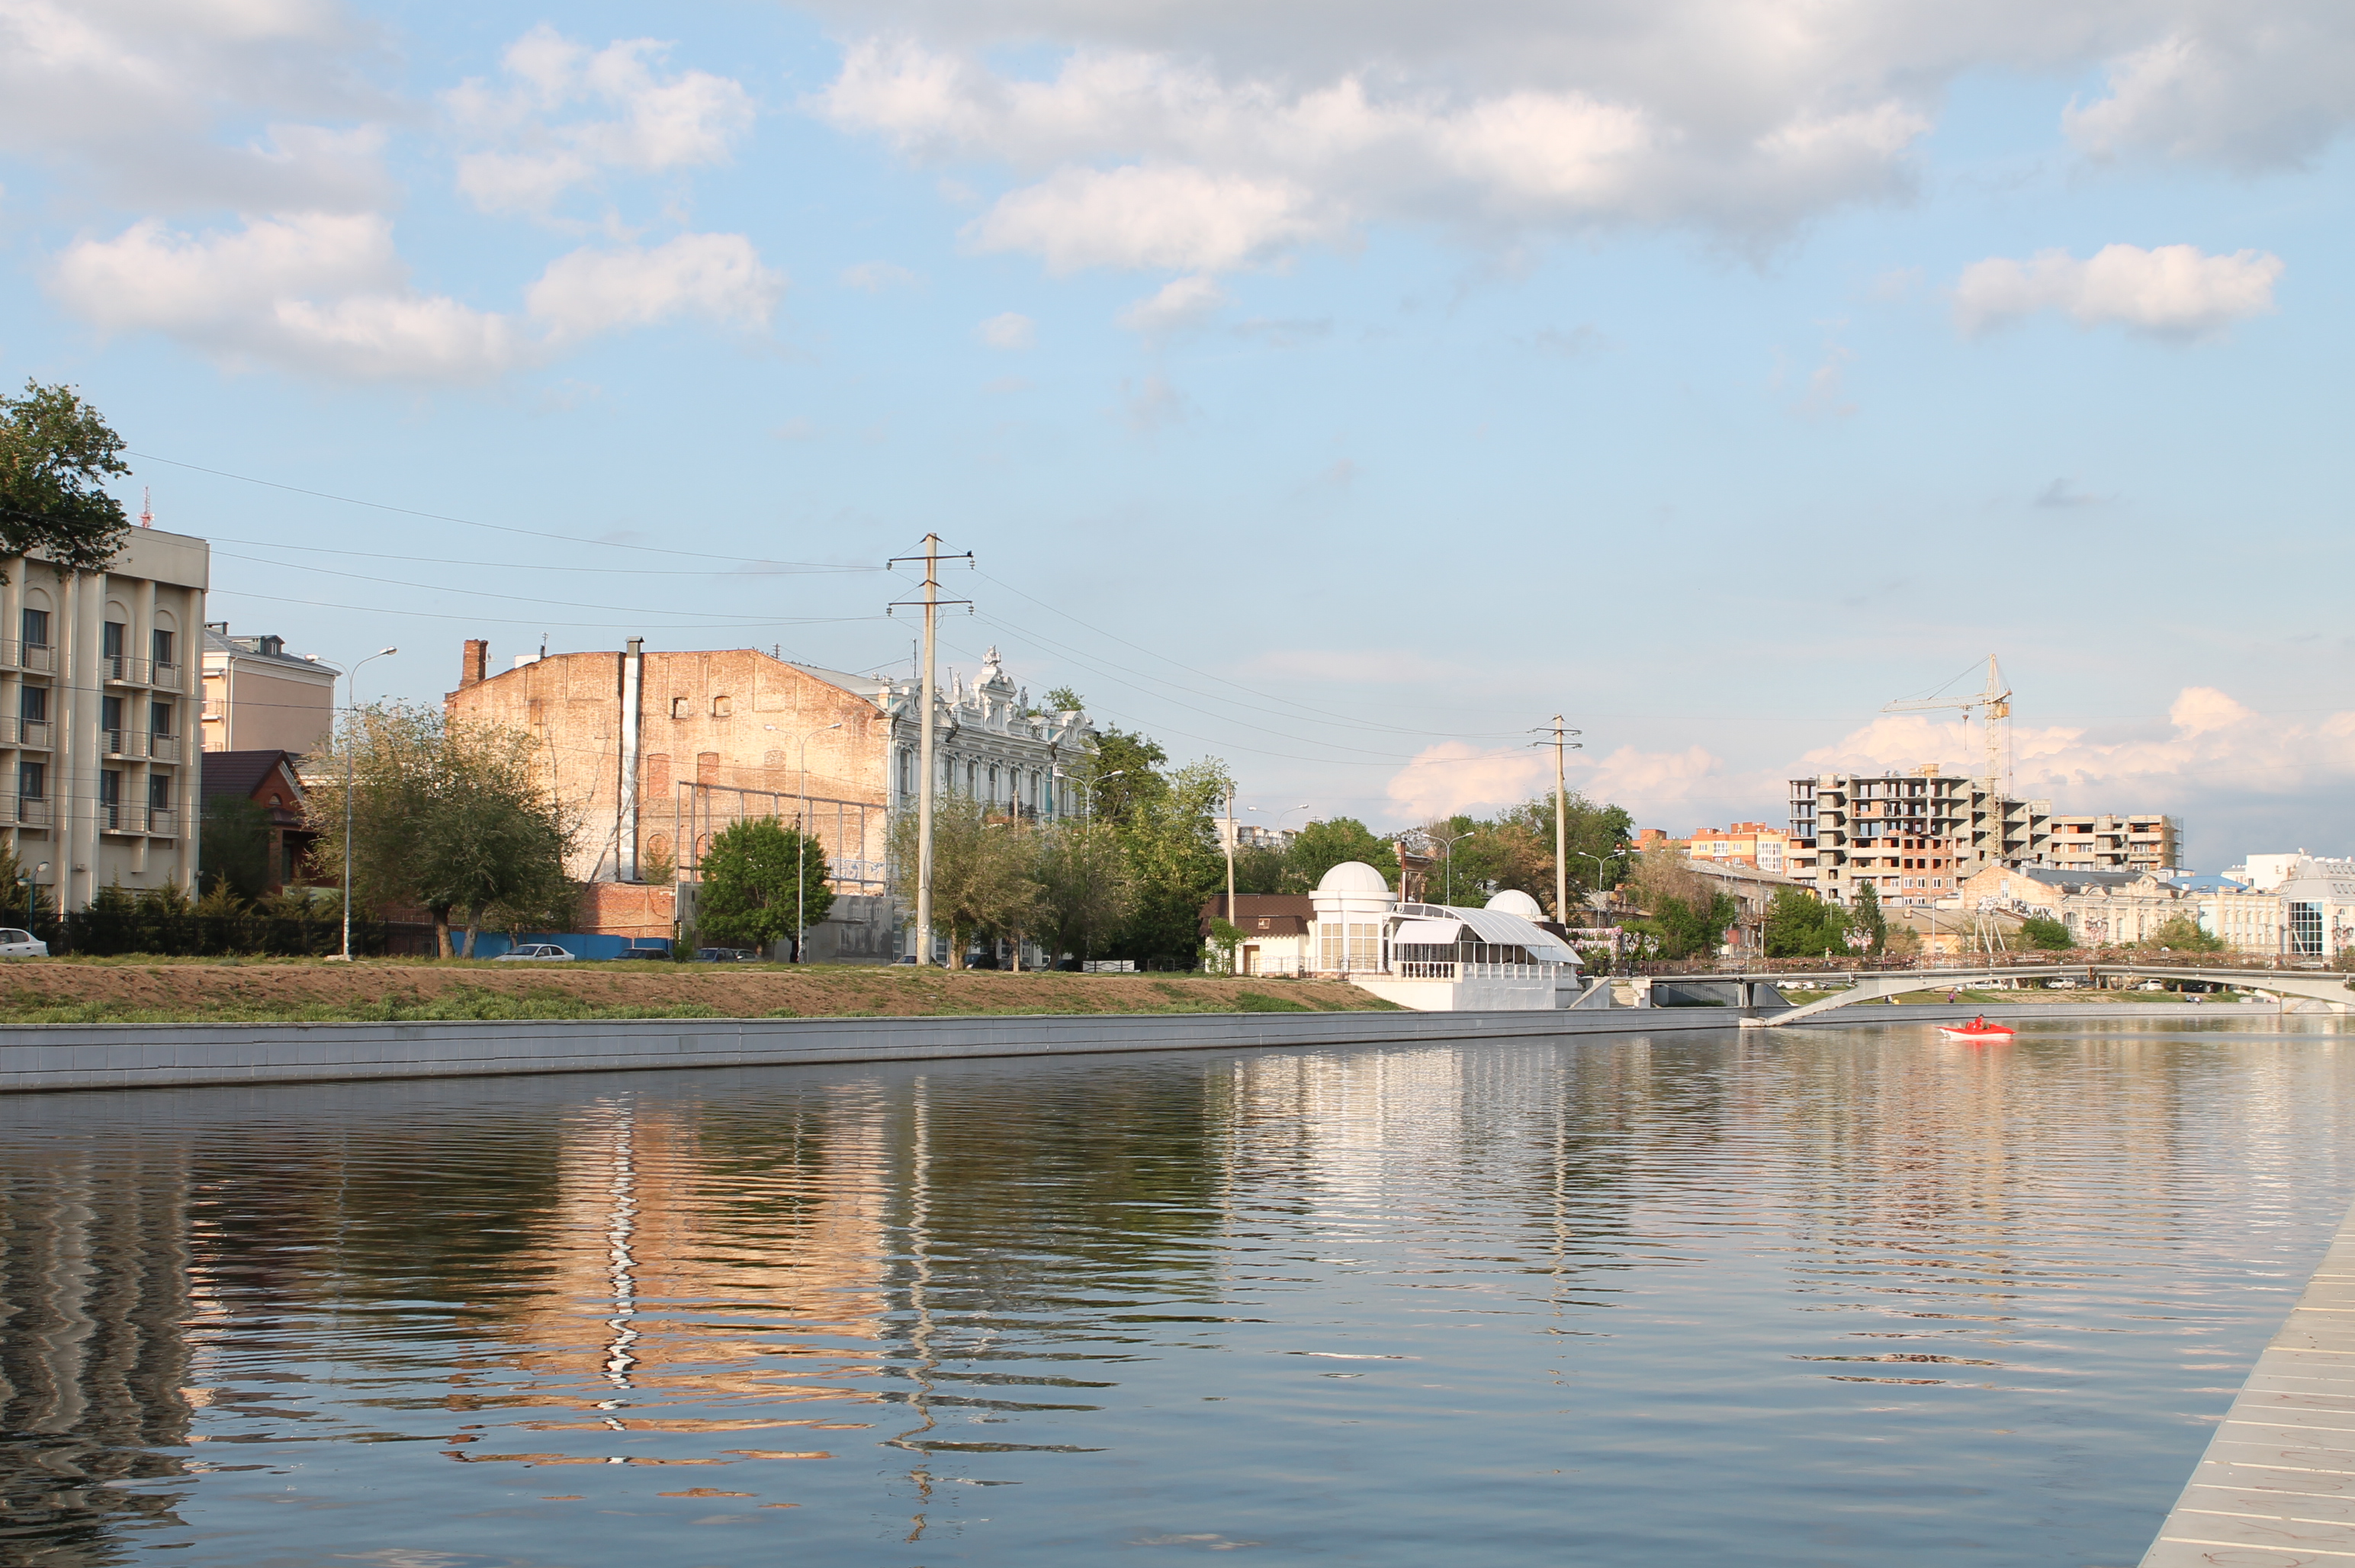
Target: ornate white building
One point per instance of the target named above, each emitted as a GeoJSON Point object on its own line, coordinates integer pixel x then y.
{"type": "Point", "coordinates": [1438, 957]}
{"type": "Point", "coordinates": [986, 742]}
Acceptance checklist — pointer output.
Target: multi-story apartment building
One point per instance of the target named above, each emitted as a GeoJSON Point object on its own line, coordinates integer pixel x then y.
{"type": "Point", "coordinates": [1751, 844]}
{"type": "Point", "coordinates": [1914, 836]}
{"type": "Point", "coordinates": [2148, 842]}
{"type": "Point", "coordinates": [97, 683]}
{"type": "Point", "coordinates": [260, 698]}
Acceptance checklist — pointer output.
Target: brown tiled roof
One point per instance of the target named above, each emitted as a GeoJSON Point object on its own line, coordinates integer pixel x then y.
{"type": "Point", "coordinates": [1262, 915]}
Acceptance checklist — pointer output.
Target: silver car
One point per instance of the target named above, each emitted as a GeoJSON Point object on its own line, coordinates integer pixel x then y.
{"type": "Point", "coordinates": [536, 952]}
{"type": "Point", "coordinates": [15, 943]}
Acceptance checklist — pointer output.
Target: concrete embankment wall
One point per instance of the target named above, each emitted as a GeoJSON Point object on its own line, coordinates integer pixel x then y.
{"type": "Point", "coordinates": [36, 1058]}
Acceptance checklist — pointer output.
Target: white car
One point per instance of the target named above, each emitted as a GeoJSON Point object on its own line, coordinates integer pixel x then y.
{"type": "Point", "coordinates": [15, 943]}
{"type": "Point", "coordinates": [535, 953]}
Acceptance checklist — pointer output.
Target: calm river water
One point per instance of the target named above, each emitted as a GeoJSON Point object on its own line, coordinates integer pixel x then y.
{"type": "Point", "coordinates": [1841, 1296]}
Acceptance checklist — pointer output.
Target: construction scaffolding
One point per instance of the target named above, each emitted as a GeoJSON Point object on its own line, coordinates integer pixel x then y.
{"type": "Point", "coordinates": [854, 833]}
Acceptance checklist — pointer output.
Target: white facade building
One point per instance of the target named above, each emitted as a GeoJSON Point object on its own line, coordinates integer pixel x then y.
{"type": "Point", "coordinates": [1438, 957]}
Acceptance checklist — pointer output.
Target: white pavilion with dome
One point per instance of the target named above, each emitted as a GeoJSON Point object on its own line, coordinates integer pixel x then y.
{"type": "Point", "coordinates": [1438, 957]}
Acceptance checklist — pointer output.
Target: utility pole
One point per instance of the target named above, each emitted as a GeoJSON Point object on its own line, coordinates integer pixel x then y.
{"type": "Point", "coordinates": [1230, 861]}
{"type": "Point", "coordinates": [1561, 816]}
{"type": "Point", "coordinates": [932, 602]}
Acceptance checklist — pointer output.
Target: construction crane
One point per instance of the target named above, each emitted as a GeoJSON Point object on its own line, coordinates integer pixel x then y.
{"type": "Point", "coordinates": [1996, 700]}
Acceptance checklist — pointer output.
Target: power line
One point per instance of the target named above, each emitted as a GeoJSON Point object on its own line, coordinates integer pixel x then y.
{"type": "Point", "coordinates": [477, 593]}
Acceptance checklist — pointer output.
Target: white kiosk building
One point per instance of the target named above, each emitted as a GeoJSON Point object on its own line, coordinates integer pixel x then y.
{"type": "Point", "coordinates": [1437, 957]}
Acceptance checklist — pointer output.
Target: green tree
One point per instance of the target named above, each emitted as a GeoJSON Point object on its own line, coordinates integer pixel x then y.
{"type": "Point", "coordinates": [2042, 931]}
{"type": "Point", "coordinates": [1086, 891]}
{"type": "Point", "coordinates": [55, 455]}
{"type": "Point", "coordinates": [1801, 925]}
{"type": "Point", "coordinates": [984, 881]}
{"type": "Point", "coordinates": [1321, 846]}
{"type": "Point", "coordinates": [233, 846]}
{"type": "Point", "coordinates": [1174, 861]}
{"type": "Point", "coordinates": [1867, 921]}
{"type": "Point", "coordinates": [1259, 870]}
{"type": "Point", "coordinates": [1686, 913]}
{"type": "Point", "coordinates": [1064, 699]}
{"type": "Point", "coordinates": [751, 873]}
{"type": "Point", "coordinates": [451, 817]}
{"type": "Point", "coordinates": [1122, 776]}
{"type": "Point", "coordinates": [2181, 933]}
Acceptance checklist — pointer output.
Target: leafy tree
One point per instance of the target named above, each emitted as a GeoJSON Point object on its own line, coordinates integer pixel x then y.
{"type": "Point", "coordinates": [1259, 870]}
{"type": "Point", "coordinates": [1686, 913]}
{"type": "Point", "coordinates": [19, 893]}
{"type": "Point", "coordinates": [1321, 846]}
{"type": "Point", "coordinates": [1801, 925]}
{"type": "Point", "coordinates": [1171, 844]}
{"type": "Point", "coordinates": [56, 454]}
{"type": "Point", "coordinates": [1086, 892]}
{"type": "Point", "coordinates": [1225, 936]}
{"type": "Point", "coordinates": [984, 881]}
{"type": "Point", "coordinates": [2042, 931]}
{"type": "Point", "coordinates": [1122, 775]}
{"type": "Point", "coordinates": [233, 846]}
{"type": "Point", "coordinates": [2181, 933]}
{"type": "Point", "coordinates": [448, 817]}
{"type": "Point", "coordinates": [1064, 699]}
{"type": "Point", "coordinates": [1867, 921]}
{"type": "Point", "coordinates": [751, 874]}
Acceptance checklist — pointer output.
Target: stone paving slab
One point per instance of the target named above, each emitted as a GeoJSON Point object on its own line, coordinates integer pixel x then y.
{"type": "Point", "coordinates": [2276, 1487]}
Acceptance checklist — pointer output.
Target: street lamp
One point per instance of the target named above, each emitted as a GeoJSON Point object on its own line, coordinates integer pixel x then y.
{"type": "Point", "coordinates": [351, 694]}
{"type": "Point", "coordinates": [1602, 869]}
{"type": "Point", "coordinates": [1448, 851]}
{"type": "Point", "coordinates": [801, 837]}
{"type": "Point", "coordinates": [1086, 837]}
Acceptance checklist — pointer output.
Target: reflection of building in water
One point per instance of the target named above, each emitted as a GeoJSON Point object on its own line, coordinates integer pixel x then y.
{"type": "Point", "coordinates": [681, 1245]}
{"type": "Point", "coordinates": [93, 1353]}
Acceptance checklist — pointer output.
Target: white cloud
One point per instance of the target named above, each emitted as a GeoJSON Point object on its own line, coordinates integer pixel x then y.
{"type": "Point", "coordinates": [1007, 330]}
{"type": "Point", "coordinates": [1452, 777]}
{"type": "Point", "coordinates": [1161, 217]}
{"type": "Point", "coordinates": [655, 122]}
{"type": "Point", "coordinates": [875, 277]}
{"type": "Point", "coordinates": [2253, 87]}
{"type": "Point", "coordinates": [718, 277]}
{"type": "Point", "coordinates": [2172, 291]}
{"type": "Point", "coordinates": [1180, 303]}
{"type": "Point", "coordinates": [128, 95]}
{"type": "Point", "coordinates": [327, 293]}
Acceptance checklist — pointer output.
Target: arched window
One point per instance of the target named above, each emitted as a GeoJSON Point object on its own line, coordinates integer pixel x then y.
{"type": "Point", "coordinates": [972, 778]}
{"type": "Point", "coordinates": [993, 796]}
{"type": "Point", "coordinates": [906, 771]}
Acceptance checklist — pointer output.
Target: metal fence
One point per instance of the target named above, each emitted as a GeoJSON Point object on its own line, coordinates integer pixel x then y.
{"type": "Point", "coordinates": [106, 934]}
{"type": "Point", "coordinates": [851, 832]}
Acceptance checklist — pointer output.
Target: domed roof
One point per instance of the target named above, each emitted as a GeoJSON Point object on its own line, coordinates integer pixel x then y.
{"type": "Point", "coordinates": [1512, 901]}
{"type": "Point", "coordinates": [1353, 876]}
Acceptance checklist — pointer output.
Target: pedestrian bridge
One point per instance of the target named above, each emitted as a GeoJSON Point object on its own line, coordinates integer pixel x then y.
{"type": "Point", "coordinates": [1874, 986]}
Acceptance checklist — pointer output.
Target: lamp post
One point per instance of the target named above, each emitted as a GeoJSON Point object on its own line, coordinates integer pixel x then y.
{"type": "Point", "coordinates": [1087, 837]}
{"type": "Point", "coordinates": [1602, 867]}
{"type": "Point", "coordinates": [1448, 852]}
{"type": "Point", "coordinates": [352, 702]}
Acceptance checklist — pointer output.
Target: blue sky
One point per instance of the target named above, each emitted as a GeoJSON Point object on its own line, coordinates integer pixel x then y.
{"type": "Point", "coordinates": [1338, 391]}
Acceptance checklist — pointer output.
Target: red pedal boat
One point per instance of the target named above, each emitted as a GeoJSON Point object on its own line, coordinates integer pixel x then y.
{"type": "Point", "coordinates": [1979, 1029]}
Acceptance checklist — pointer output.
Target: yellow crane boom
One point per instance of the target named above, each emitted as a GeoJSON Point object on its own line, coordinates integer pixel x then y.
{"type": "Point", "coordinates": [1996, 700]}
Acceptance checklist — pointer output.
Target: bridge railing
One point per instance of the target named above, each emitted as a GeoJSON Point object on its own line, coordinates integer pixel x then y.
{"type": "Point", "coordinates": [2022, 963]}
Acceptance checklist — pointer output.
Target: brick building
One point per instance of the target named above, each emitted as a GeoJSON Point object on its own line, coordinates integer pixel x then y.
{"type": "Point", "coordinates": [655, 751]}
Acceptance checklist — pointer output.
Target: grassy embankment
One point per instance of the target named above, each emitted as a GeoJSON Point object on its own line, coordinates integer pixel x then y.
{"type": "Point", "coordinates": [270, 991]}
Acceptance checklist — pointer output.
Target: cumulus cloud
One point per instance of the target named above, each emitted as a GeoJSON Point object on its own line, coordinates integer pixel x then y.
{"type": "Point", "coordinates": [876, 277]}
{"type": "Point", "coordinates": [639, 118]}
{"type": "Point", "coordinates": [129, 96]}
{"type": "Point", "coordinates": [1453, 776]}
{"type": "Point", "coordinates": [1184, 303]}
{"type": "Point", "coordinates": [327, 293]}
{"type": "Point", "coordinates": [2171, 291]}
{"type": "Point", "coordinates": [2255, 88]}
{"type": "Point", "coordinates": [1009, 329]}
{"type": "Point", "coordinates": [716, 276]}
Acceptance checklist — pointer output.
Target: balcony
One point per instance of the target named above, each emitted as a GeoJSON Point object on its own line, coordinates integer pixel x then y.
{"type": "Point", "coordinates": [169, 676]}
{"type": "Point", "coordinates": [33, 732]}
{"type": "Point", "coordinates": [163, 822]}
{"type": "Point", "coordinates": [26, 811]}
{"type": "Point", "coordinates": [120, 669]}
{"type": "Point", "coordinates": [38, 657]}
{"type": "Point", "coordinates": [164, 748]}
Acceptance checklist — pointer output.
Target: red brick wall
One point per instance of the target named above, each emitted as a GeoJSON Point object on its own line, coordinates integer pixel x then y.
{"type": "Point", "coordinates": [627, 909]}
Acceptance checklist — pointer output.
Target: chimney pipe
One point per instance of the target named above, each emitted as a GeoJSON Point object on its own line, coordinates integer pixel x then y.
{"type": "Point", "coordinates": [634, 669]}
{"type": "Point", "coordinates": [476, 665]}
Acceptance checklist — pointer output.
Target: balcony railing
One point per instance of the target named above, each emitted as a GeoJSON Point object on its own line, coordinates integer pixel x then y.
{"type": "Point", "coordinates": [163, 822]}
{"type": "Point", "coordinates": [125, 670]}
{"type": "Point", "coordinates": [1453, 969]}
{"type": "Point", "coordinates": [32, 732]}
{"type": "Point", "coordinates": [41, 657]}
{"type": "Point", "coordinates": [167, 674]}
{"type": "Point", "coordinates": [28, 811]}
{"type": "Point", "coordinates": [119, 742]}
{"type": "Point", "coordinates": [164, 748]}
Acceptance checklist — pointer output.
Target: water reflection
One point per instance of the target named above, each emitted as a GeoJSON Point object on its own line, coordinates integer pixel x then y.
{"type": "Point", "coordinates": [1891, 1299]}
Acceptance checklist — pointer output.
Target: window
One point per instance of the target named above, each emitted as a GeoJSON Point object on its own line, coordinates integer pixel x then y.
{"type": "Point", "coordinates": [906, 771]}
{"type": "Point", "coordinates": [33, 704]}
{"type": "Point", "coordinates": [110, 797]}
{"type": "Point", "coordinates": [161, 644]}
{"type": "Point", "coordinates": [159, 719]}
{"type": "Point", "coordinates": [109, 640]}
{"type": "Point", "coordinates": [159, 791]}
{"type": "Point", "coordinates": [972, 778]}
{"type": "Point", "coordinates": [2305, 928]}
{"type": "Point", "coordinates": [722, 707]}
{"type": "Point", "coordinates": [37, 628]}
{"type": "Point", "coordinates": [993, 781]}
{"type": "Point", "coordinates": [110, 719]}
{"type": "Point", "coordinates": [32, 780]}
{"type": "Point", "coordinates": [678, 709]}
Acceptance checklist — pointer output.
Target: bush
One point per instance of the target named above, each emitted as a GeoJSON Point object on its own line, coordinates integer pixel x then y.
{"type": "Point", "coordinates": [2044, 931]}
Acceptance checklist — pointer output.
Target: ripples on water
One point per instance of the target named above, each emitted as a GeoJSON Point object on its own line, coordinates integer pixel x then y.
{"type": "Point", "coordinates": [1847, 1297]}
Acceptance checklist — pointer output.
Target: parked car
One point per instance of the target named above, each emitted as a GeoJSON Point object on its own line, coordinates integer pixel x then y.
{"type": "Point", "coordinates": [726, 955]}
{"type": "Point", "coordinates": [15, 943]}
{"type": "Point", "coordinates": [538, 952]}
{"type": "Point", "coordinates": [2060, 985]}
